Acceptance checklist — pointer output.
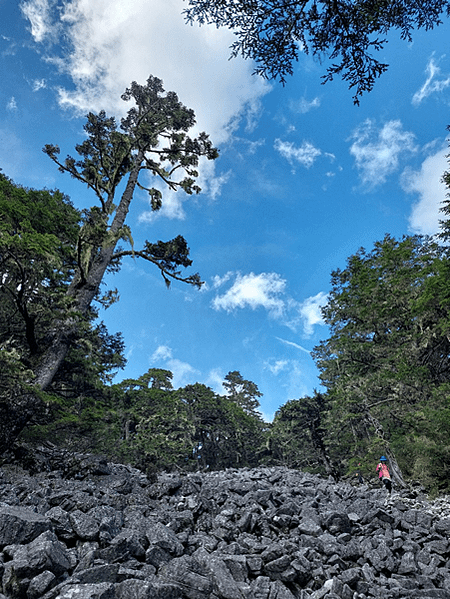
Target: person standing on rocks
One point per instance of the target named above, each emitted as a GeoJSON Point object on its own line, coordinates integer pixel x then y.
{"type": "Point", "coordinates": [384, 474]}
{"type": "Point", "coordinates": [359, 476]}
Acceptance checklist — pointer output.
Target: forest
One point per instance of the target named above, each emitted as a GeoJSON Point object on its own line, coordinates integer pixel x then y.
{"type": "Point", "coordinates": [384, 368]}
{"type": "Point", "coordinates": [384, 384]}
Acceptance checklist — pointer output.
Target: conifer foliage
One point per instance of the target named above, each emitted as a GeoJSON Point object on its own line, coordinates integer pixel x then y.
{"type": "Point", "coordinates": [153, 140]}
{"type": "Point", "coordinates": [348, 33]}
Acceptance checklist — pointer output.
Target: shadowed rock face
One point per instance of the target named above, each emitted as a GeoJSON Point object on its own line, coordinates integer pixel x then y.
{"type": "Point", "coordinates": [104, 531]}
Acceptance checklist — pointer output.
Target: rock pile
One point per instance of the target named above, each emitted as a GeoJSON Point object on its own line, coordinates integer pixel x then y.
{"type": "Point", "coordinates": [268, 533]}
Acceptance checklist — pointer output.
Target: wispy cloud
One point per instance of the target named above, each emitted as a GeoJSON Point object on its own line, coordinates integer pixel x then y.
{"type": "Point", "coordinates": [292, 344]}
{"type": "Point", "coordinates": [38, 13]}
{"type": "Point", "coordinates": [277, 366]}
{"type": "Point", "coordinates": [183, 373]}
{"type": "Point", "coordinates": [434, 84]}
{"type": "Point", "coordinates": [173, 206]}
{"type": "Point", "coordinates": [11, 104]}
{"type": "Point", "coordinates": [311, 313]}
{"type": "Point", "coordinates": [307, 313]}
{"type": "Point", "coordinates": [305, 154]}
{"type": "Point", "coordinates": [292, 374]}
{"type": "Point", "coordinates": [377, 151]}
{"type": "Point", "coordinates": [303, 105]}
{"type": "Point", "coordinates": [218, 281]}
{"type": "Point", "coordinates": [214, 379]}
{"type": "Point", "coordinates": [268, 291]}
{"type": "Point", "coordinates": [39, 84]}
{"type": "Point", "coordinates": [427, 184]}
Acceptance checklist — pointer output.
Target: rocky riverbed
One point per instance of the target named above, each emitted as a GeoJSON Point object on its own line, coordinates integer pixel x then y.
{"type": "Point", "coordinates": [87, 529]}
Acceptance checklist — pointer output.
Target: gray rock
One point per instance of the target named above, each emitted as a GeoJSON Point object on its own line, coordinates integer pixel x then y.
{"type": "Point", "coordinates": [125, 544]}
{"type": "Point", "coordinates": [224, 585]}
{"type": "Point", "coordinates": [44, 553]}
{"type": "Point", "coordinates": [163, 537]}
{"type": "Point", "coordinates": [266, 533]}
{"type": "Point", "coordinates": [40, 584]}
{"type": "Point", "coordinates": [103, 590]}
{"type": "Point", "coordinates": [308, 526]}
{"type": "Point", "coordinates": [61, 523]}
{"type": "Point", "coordinates": [97, 574]}
{"type": "Point", "coordinates": [85, 526]}
{"type": "Point", "coordinates": [20, 525]}
{"type": "Point", "coordinates": [194, 579]}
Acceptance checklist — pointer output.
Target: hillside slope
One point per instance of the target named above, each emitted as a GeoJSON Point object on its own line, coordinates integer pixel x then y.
{"type": "Point", "coordinates": [94, 530]}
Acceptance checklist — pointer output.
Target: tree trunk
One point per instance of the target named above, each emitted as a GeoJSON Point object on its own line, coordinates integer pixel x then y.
{"type": "Point", "coordinates": [394, 468]}
{"type": "Point", "coordinates": [16, 412]}
{"type": "Point", "coordinates": [84, 293]}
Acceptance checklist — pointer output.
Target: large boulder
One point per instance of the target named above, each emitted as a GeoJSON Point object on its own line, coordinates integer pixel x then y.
{"type": "Point", "coordinates": [20, 524]}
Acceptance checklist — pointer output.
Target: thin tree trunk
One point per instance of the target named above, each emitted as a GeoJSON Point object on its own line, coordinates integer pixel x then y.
{"type": "Point", "coordinates": [394, 469]}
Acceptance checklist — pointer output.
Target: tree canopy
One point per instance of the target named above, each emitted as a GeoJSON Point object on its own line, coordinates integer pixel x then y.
{"type": "Point", "coordinates": [51, 280]}
{"type": "Point", "coordinates": [152, 139]}
{"type": "Point", "coordinates": [346, 32]}
{"type": "Point", "coordinates": [387, 359]}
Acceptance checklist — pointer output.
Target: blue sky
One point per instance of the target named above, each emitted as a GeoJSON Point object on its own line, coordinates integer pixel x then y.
{"type": "Point", "coordinates": [304, 178]}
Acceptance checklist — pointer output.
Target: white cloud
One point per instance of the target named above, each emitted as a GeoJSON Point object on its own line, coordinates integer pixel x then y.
{"type": "Point", "coordinates": [38, 12]}
{"type": "Point", "coordinates": [305, 154]}
{"type": "Point", "coordinates": [292, 344]}
{"type": "Point", "coordinates": [172, 206]}
{"type": "Point", "coordinates": [39, 84]}
{"type": "Point", "coordinates": [113, 42]}
{"type": "Point", "coordinates": [213, 185]}
{"type": "Point", "coordinates": [268, 291]}
{"type": "Point", "coordinates": [277, 366]}
{"type": "Point", "coordinates": [219, 281]}
{"type": "Point", "coordinates": [12, 104]}
{"type": "Point", "coordinates": [163, 352]}
{"type": "Point", "coordinates": [303, 105]}
{"type": "Point", "coordinates": [215, 380]}
{"type": "Point", "coordinates": [173, 201]}
{"type": "Point", "coordinates": [293, 379]}
{"type": "Point", "coordinates": [377, 152]}
{"type": "Point", "coordinates": [306, 314]}
{"type": "Point", "coordinates": [110, 43]}
{"type": "Point", "coordinates": [310, 311]}
{"type": "Point", "coordinates": [427, 184]}
{"type": "Point", "coordinates": [432, 84]}
{"type": "Point", "coordinates": [183, 373]}
{"type": "Point", "coordinates": [254, 291]}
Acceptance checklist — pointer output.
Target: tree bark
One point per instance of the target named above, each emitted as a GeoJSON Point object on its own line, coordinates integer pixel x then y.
{"type": "Point", "coordinates": [83, 294]}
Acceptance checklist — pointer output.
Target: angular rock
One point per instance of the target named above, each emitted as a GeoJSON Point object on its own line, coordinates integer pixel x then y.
{"type": "Point", "coordinates": [187, 573]}
{"type": "Point", "coordinates": [46, 552]}
{"type": "Point", "coordinates": [85, 526]}
{"type": "Point", "coordinates": [40, 584]}
{"type": "Point", "coordinates": [163, 537]}
{"type": "Point", "coordinates": [102, 590]}
{"type": "Point", "coordinates": [20, 525]}
{"type": "Point", "coordinates": [266, 533]}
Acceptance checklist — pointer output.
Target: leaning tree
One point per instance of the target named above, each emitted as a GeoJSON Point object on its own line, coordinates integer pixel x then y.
{"type": "Point", "coordinates": [151, 144]}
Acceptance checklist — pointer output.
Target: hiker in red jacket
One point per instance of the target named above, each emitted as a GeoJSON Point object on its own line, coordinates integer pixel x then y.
{"type": "Point", "coordinates": [384, 474]}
